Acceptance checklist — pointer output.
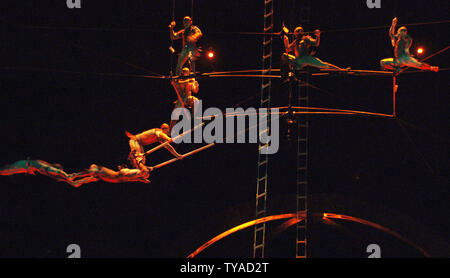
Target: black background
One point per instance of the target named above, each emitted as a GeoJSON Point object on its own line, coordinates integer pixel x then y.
{"type": "Point", "coordinates": [58, 110]}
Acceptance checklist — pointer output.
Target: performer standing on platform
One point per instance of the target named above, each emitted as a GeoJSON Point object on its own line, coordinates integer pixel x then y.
{"type": "Point", "coordinates": [190, 35]}
{"type": "Point", "coordinates": [304, 49]}
{"type": "Point", "coordinates": [401, 42]}
{"type": "Point", "coordinates": [137, 155]}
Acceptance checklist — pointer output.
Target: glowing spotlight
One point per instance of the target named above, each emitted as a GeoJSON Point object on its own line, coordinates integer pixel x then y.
{"type": "Point", "coordinates": [420, 50]}
{"type": "Point", "coordinates": [210, 54]}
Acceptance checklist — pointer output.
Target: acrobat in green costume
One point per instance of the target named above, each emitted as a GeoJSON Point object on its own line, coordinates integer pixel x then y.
{"type": "Point", "coordinates": [401, 42]}
{"type": "Point", "coordinates": [303, 47]}
{"type": "Point", "coordinates": [28, 166]}
{"type": "Point", "coordinates": [189, 35]}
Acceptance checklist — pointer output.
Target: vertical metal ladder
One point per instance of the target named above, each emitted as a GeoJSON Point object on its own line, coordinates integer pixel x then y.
{"type": "Point", "coordinates": [302, 151]}
{"type": "Point", "coordinates": [263, 159]}
{"type": "Point", "coordinates": [302, 170]}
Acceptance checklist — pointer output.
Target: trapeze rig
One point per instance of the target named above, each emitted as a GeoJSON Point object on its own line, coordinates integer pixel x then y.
{"type": "Point", "coordinates": [267, 74]}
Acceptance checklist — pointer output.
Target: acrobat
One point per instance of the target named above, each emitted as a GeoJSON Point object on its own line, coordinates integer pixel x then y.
{"type": "Point", "coordinates": [28, 166]}
{"type": "Point", "coordinates": [401, 42]}
{"type": "Point", "coordinates": [304, 49]}
{"type": "Point", "coordinates": [190, 35]}
{"type": "Point", "coordinates": [184, 87]}
{"type": "Point", "coordinates": [94, 173]}
{"type": "Point", "coordinates": [101, 173]}
{"type": "Point", "coordinates": [137, 143]}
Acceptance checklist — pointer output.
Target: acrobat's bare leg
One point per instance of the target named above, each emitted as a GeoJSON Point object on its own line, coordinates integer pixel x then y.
{"type": "Point", "coordinates": [413, 63]}
{"type": "Point", "coordinates": [182, 59]}
{"type": "Point", "coordinates": [388, 64]}
{"type": "Point", "coordinates": [82, 181]}
{"type": "Point", "coordinates": [317, 63]}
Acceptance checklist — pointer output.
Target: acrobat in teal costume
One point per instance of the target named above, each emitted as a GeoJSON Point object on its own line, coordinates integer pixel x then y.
{"type": "Point", "coordinates": [190, 35]}
{"type": "Point", "coordinates": [304, 48]}
{"type": "Point", "coordinates": [401, 42]}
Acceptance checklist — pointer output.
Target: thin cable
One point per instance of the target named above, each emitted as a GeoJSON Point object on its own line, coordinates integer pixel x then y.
{"type": "Point", "coordinates": [144, 29]}
{"type": "Point", "coordinates": [171, 40]}
{"type": "Point", "coordinates": [425, 130]}
{"type": "Point", "coordinates": [432, 55]}
{"type": "Point", "coordinates": [339, 30]}
{"type": "Point", "coordinates": [421, 155]}
{"type": "Point", "coordinates": [421, 71]}
{"type": "Point", "coordinates": [118, 60]}
{"type": "Point", "coordinates": [82, 72]}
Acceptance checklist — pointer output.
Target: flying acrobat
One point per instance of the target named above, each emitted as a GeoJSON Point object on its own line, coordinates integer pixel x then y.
{"type": "Point", "coordinates": [28, 166]}
{"type": "Point", "coordinates": [97, 173]}
{"type": "Point", "coordinates": [401, 42]}
{"type": "Point", "coordinates": [94, 173]}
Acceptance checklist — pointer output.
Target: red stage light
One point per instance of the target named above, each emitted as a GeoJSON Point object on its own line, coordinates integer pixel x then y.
{"type": "Point", "coordinates": [420, 50]}
{"type": "Point", "coordinates": [210, 54]}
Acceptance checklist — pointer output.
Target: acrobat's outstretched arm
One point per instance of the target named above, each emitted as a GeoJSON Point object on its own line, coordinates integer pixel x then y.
{"type": "Point", "coordinates": [174, 35]}
{"type": "Point", "coordinates": [80, 182]}
{"type": "Point", "coordinates": [392, 31]}
{"type": "Point", "coordinates": [162, 137]}
{"type": "Point", "coordinates": [317, 40]}
{"type": "Point", "coordinates": [289, 47]}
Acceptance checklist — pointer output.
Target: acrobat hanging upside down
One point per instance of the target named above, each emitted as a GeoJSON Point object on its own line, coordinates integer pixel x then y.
{"type": "Point", "coordinates": [184, 88]}
{"type": "Point", "coordinates": [401, 42]}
